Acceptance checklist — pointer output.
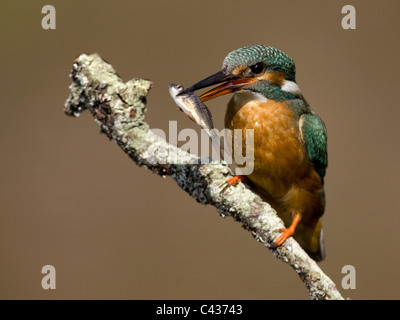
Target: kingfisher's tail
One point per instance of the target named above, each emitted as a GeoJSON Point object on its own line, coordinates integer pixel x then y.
{"type": "Point", "coordinates": [311, 239]}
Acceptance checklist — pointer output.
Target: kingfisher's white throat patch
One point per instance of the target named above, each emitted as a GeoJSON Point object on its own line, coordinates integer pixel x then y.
{"type": "Point", "coordinates": [291, 87]}
{"type": "Point", "coordinates": [245, 96]}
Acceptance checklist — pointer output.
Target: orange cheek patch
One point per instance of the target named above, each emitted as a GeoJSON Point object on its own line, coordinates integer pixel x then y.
{"type": "Point", "coordinates": [276, 78]}
{"type": "Point", "coordinates": [239, 70]}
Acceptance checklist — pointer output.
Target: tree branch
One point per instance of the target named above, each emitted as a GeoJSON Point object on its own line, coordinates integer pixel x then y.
{"type": "Point", "coordinates": [118, 108]}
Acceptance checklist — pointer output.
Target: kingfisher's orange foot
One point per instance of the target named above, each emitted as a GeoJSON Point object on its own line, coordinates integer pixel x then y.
{"type": "Point", "coordinates": [232, 182]}
{"type": "Point", "coordinates": [287, 232]}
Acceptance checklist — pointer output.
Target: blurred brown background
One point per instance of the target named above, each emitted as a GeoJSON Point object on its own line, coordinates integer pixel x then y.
{"type": "Point", "coordinates": [72, 199]}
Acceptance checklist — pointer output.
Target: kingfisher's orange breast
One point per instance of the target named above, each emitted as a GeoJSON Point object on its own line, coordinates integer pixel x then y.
{"type": "Point", "coordinates": [281, 166]}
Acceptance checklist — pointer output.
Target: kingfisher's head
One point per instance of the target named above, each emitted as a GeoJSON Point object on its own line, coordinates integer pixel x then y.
{"type": "Point", "coordinates": [262, 69]}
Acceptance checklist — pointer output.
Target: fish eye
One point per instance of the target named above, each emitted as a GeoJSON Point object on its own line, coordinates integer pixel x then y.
{"type": "Point", "coordinates": [257, 68]}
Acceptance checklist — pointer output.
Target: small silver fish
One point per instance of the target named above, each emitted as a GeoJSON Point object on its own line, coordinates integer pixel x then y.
{"type": "Point", "coordinates": [197, 111]}
{"type": "Point", "coordinates": [191, 104]}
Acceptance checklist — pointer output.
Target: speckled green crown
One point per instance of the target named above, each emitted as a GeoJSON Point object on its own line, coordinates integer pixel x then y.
{"type": "Point", "coordinates": [273, 58]}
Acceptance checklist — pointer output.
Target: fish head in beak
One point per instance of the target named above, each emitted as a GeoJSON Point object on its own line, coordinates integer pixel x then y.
{"type": "Point", "coordinates": [228, 83]}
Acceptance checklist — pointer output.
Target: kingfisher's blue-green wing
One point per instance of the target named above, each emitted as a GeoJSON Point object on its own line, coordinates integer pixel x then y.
{"type": "Point", "coordinates": [313, 134]}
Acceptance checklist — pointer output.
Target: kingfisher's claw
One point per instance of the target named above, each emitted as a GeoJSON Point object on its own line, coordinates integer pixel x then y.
{"type": "Point", "coordinates": [232, 182]}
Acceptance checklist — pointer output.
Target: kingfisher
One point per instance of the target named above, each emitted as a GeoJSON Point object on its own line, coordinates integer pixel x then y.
{"type": "Point", "coordinates": [290, 139]}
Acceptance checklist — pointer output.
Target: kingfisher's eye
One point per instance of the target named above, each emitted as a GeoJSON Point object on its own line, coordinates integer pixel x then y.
{"type": "Point", "coordinates": [257, 68]}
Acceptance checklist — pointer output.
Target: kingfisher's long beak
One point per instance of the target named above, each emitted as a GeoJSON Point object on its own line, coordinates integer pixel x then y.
{"type": "Point", "coordinates": [230, 83]}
